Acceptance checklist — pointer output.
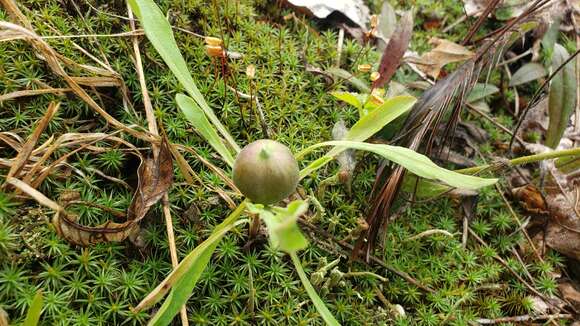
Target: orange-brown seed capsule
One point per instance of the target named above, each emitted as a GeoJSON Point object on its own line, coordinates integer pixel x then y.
{"type": "Point", "coordinates": [213, 41]}
{"type": "Point", "coordinates": [364, 67]}
{"type": "Point", "coordinates": [215, 51]}
{"type": "Point", "coordinates": [375, 75]}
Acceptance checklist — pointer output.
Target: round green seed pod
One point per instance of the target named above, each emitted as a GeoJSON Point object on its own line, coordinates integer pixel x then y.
{"type": "Point", "coordinates": [266, 172]}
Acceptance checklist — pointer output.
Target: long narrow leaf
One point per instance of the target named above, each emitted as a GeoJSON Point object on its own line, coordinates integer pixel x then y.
{"type": "Point", "coordinates": [562, 99]}
{"type": "Point", "coordinates": [158, 31]}
{"type": "Point", "coordinates": [365, 128]}
{"type": "Point", "coordinates": [417, 163]}
{"type": "Point", "coordinates": [33, 315]}
{"type": "Point", "coordinates": [318, 303]}
{"type": "Point", "coordinates": [195, 115]}
{"type": "Point", "coordinates": [380, 117]}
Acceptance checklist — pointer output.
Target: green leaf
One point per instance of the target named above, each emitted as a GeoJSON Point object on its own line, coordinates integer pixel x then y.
{"type": "Point", "coordinates": [376, 119]}
{"type": "Point", "coordinates": [416, 163]}
{"type": "Point", "coordinates": [318, 303]}
{"type": "Point", "coordinates": [347, 76]}
{"type": "Point", "coordinates": [182, 280]}
{"type": "Point", "coordinates": [528, 72]}
{"type": "Point", "coordinates": [350, 98]}
{"type": "Point", "coordinates": [195, 115]}
{"type": "Point", "coordinates": [33, 315]}
{"type": "Point", "coordinates": [550, 38]}
{"type": "Point", "coordinates": [283, 230]}
{"type": "Point", "coordinates": [562, 98]}
{"type": "Point", "coordinates": [158, 31]}
{"type": "Point", "coordinates": [367, 126]}
{"type": "Point", "coordinates": [481, 91]}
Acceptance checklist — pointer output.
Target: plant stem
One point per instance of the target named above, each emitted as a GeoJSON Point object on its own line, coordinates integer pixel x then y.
{"type": "Point", "coordinates": [369, 274]}
{"type": "Point", "coordinates": [527, 159]}
{"type": "Point", "coordinates": [318, 303]}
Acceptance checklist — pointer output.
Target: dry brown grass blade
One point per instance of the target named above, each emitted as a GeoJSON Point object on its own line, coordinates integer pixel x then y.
{"type": "Point", "coordinates": [28, 147]}
{"type": "Point", "coordinates": [52, 59]}
{"type": "Point", "coordinates": [101, 81]}
{"type": "Point", "coordinates": [68, 140]}
{"type": "Point", "coordinates": [33, 92]}
{"type": "Point", "coordinates": [15, 13]}
{"type": "Point", "coordinates": [11, 139]}
{"type": "Point", "coordinates": [35, 194]}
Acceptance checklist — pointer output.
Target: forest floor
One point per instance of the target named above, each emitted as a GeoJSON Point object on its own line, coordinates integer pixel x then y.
{"type": "Point", "coordinates": [422, 272]}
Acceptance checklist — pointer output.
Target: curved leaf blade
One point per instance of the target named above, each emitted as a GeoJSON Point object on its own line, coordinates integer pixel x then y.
{"type": "Point", "coordinates": [318, 303]}
{"type": "Point", "coordinates": [35, 310]}
{"type": "Point", "coordinates": [195, 115]}
{"type": "Point", "coordinates": [158, 31]}
{"type": "Point", "coordinates": [562, 98]}
{"type": "Point", "coordinates": [367, 126]}
{"type": "Point", "coordinates": [416, 163]}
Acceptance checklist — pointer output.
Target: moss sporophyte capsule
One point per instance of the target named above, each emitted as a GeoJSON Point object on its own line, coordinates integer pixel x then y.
{"type": "Point", "coordinates": [266, 172]}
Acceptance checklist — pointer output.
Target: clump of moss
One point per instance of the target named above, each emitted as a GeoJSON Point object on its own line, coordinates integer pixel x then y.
{"type": "Point", "coordinates": [242, 285]}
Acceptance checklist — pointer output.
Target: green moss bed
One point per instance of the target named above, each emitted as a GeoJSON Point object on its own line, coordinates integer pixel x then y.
{"type": "Point", "coordinates": [244, 284]}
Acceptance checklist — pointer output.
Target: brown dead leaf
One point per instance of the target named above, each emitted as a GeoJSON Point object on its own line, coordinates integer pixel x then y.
{"type": "Point", "coordinates": [33, 92]}
{"type": "Point", "coordinates": [445, 52]}
{"type": "Point", "coordinates": [531, 199]}
{"type": "Point", "coordinates": [571, 293]}
{"type": "Point", "coordinates": [155, 178]}
{"type": "Point", "coordinates": [395, 50]}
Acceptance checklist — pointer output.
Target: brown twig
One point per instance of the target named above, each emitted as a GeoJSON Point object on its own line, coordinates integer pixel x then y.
{"type": "Point", "coordinates": [153, 129]}
{"type": "Point", "coordinates": [523, 318]}
{"type": "Point", "coordinates": [490, 7]}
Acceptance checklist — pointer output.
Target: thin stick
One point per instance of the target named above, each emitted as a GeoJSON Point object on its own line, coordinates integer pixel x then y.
{"type": "Point", "coordinates": [523, 318]}
{"type": "Point", "coordinates": [132, 33]}
{"type": "Point", "coordinates": [172, 248]}
{"type": "Point", "coordinates": [339, 47]}
{"type": "Point", "coordinates": [152, 124]}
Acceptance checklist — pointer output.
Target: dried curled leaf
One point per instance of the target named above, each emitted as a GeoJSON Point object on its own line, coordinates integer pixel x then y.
{"type": "Point", "coordinates": [444, 52]}
{"type": "Point", "coordinates": [155, 178]}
